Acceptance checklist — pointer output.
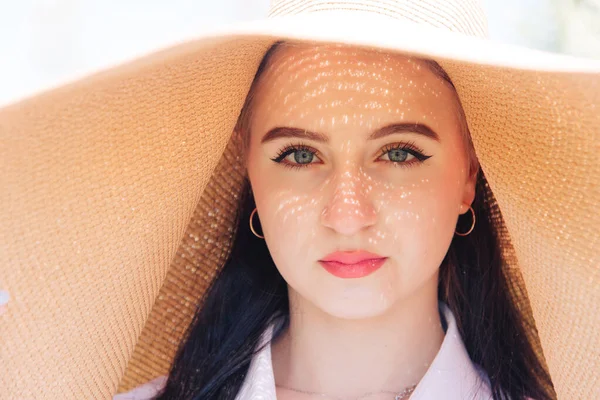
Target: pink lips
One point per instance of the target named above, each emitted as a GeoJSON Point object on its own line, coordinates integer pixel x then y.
{"type": "Point", "coordinates": [352, 264]}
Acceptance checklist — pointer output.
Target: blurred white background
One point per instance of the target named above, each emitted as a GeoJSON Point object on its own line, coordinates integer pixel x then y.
{"type": "Point", "coordinates": [44, 43]}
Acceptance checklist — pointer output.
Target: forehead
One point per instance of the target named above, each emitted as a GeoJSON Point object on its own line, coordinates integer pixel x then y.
{"type": "Point", "coordinates": [309, 85]}
{"type": "Point", "coordinates": [291, 63]}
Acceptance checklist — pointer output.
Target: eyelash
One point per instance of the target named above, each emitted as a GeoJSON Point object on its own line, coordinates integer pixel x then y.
{"type": "Point", "coordinates": [409, 147]}
{"type": "Point", "coordinates": [291, 148]}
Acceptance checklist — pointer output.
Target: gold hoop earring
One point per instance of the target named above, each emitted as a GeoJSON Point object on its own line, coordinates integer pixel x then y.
{"type": "Point", "coordinates": [252, 228]}
{"type": "Point", "coordinates": [472, 225]}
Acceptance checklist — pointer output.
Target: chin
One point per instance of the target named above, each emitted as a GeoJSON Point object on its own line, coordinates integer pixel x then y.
{"type": "Point", "coordinates": [355, 305]}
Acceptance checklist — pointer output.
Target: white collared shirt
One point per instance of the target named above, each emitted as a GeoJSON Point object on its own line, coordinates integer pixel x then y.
{"type": "Point", "coordinates": [451, 376]}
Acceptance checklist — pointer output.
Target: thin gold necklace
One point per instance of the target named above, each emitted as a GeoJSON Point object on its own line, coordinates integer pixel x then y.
{"type": "Point", "coordinates": [404, 394]}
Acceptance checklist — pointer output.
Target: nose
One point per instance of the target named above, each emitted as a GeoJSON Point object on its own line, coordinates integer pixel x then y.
{"type": "Point", "coordinates": [349, 209]}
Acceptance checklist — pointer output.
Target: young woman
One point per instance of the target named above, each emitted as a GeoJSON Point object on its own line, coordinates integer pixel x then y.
{"type": "Point", "coordinates": [359, 166]}
{"type": "Point", "coordinates": [334, 202]}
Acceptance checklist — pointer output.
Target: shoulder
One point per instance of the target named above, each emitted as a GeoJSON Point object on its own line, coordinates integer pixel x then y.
{"type": "Point", "coordinates": [145, 391]}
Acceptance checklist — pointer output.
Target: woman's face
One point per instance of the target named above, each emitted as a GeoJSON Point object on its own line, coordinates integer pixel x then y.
{"type": "Point", "coordinates": [356, 150]}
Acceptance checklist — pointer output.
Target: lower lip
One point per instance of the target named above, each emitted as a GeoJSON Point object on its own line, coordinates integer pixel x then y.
{"type": "Point", "coordinates": [357, 270]}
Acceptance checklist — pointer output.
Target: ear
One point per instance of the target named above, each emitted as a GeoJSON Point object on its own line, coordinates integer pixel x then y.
{"type": "Point", "coordinates": [469, 189]}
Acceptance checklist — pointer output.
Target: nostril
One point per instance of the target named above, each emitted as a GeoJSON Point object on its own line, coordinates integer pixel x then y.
{"type": "Point", "coordinates": [348, 218]}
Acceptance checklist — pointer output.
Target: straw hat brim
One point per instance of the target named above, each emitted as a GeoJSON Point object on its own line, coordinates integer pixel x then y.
{"type": "Point", "coordinates": [119, 191]}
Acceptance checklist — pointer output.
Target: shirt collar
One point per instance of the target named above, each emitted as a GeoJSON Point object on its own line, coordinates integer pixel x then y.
{"type": "Point", "coordinates": [452, 375]}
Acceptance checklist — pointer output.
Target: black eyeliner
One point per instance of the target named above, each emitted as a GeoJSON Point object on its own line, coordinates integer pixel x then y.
{"type": "Point", "coordinates": [409, 147]}
{"type": "Point", "coordinates": [289, 149]}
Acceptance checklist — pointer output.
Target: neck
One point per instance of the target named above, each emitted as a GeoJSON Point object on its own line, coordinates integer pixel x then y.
{"type": "Point", "coordinates": [350, 357]}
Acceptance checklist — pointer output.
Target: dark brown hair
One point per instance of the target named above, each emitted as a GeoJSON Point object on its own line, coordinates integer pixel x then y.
{"type": "Point", "coordinates": [249, 294]}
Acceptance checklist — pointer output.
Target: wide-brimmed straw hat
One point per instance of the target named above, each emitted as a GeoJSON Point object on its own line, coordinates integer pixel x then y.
{"type": "Point", "coordinates": [118, 191]}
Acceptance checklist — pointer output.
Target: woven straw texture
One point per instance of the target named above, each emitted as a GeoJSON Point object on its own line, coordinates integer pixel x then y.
{"type": "Point", "coordinates": [119, 192]}
{"type": "Point", "coordinates": [464, 16]}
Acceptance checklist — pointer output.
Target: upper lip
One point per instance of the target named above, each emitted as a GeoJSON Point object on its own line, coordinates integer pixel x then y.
{"type": "Point", "coordinates": [350, 257]}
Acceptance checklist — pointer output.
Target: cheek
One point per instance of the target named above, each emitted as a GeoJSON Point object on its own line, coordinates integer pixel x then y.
{"type": "Point", "coordinates": [287, 203]}
{"type": "Point", "coordinates": [289, 218]}
{"type": "Point", "coordinates": [418, 219]}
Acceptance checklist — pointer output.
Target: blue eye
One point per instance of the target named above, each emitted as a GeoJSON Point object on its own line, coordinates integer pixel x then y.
{"type": "Point", "coordinates": [296, 156]}
{"type": "Point", "coordinates": [398, 155]}
{"type": "Point", "coordinates": [402, 153]}
{"type": "Point", "coordinates": [303, 156]}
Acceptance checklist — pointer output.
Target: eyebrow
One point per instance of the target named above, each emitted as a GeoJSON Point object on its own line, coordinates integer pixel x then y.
{"type": "Point", "coordinates": [412, 127]}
